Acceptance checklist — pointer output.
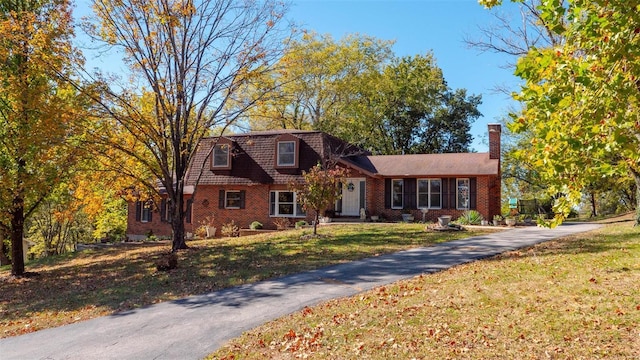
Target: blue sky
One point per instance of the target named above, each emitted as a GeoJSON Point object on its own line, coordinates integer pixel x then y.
{"type": "Point", "coordinates": [418, 26]}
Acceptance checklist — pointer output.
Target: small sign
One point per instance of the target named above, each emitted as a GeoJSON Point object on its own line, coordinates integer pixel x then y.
{"type": "Point", "coordinates": [513, 203]}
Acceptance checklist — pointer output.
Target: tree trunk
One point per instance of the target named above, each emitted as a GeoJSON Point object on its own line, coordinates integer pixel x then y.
{"type": "Point", "coordinates": [636, 177]}
{"type": "Point", "coordinates": [594, 211]}
{"type": "Point", "coordinates": [17, 232]}
{"type": "Point", "coordinates": [177, 222]}
{"type": "Point", "coordinates": [315, 223]}
{"type": "Point", "coordinates": [4, 259]}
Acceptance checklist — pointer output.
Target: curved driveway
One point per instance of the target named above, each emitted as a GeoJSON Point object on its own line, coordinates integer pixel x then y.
{"type": "Point", "coordinates": [193, 327]}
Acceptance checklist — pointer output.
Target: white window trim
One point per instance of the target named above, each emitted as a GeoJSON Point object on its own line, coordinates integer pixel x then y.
{"type": "Point", "coordinates": [428, 180]}
{"type": "Point", "coordinates": [226, 199]}
{"type": "Point", "coordinates": [295, 205]}
{"type": "Point", "coordinates": [393, 206]}
{"type": "Point", "coordinates": [458, 207]}
{"type": "Point", "coordinates": [214, 156]}
{"type": "Point", "coordinates": [293, 153]}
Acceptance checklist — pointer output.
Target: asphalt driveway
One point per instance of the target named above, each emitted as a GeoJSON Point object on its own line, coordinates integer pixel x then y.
{"type": "Point", "coordinates": [193, 327]}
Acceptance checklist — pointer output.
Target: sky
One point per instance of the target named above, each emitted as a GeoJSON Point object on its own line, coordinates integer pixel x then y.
{"type": "Point", "coordinates": [417, 27]}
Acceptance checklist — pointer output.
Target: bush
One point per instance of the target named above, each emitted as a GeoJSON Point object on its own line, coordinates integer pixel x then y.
{"type": "Point", "coordinates": [255, 225]}
{"type": "Point", "coordinates": [281, 223]}
{"type": "Point", "coordinates": [470, 217]}
{"type": "Point", "coordinates": [230, 229]}
{"type": "Point", "coordinates": [300, 224]}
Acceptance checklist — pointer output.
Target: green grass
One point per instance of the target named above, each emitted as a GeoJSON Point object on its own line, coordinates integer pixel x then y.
{"type": "Point", "coordinates": [99, 282]}
{"type": "Point", "coordinates": [574, 298]}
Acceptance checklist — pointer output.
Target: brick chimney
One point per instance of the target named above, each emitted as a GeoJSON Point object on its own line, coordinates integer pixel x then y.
{"type": "Point", "coordinates": [494, 141]}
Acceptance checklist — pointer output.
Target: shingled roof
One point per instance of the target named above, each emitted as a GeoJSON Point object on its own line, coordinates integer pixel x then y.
{"type": "Point", "coordinates": [253, 157]}
{"type": "Point", "coordinates": [425, 165]}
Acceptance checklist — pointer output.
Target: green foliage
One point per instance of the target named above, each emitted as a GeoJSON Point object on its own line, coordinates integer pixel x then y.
{"type": "Point", "coordinates": [111, 222]}
{"type": "Point", "coordinates": [582, 100]}
{"type": "Point", "coordinates": [255, 225]}
{"type": "Point", "coordinates": [356, 89]}
{"type": "Point", "coordinates": [300, 224]}
{"type": "Point", "coordinates": [40, 114]}
{"type": "Point", "coordinates": [470, 217]}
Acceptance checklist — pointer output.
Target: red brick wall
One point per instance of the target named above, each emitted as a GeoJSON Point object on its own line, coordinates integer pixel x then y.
{"type": "Point", "coordinates": [256, 206]}
{"type": "Point", "coordinates": [487, 201]}
{"type": "Point", "coordinates": [136, 230]}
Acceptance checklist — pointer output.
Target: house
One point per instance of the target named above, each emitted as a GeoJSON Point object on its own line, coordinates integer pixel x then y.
{"type": "Point", "coordinates": [245, 178]}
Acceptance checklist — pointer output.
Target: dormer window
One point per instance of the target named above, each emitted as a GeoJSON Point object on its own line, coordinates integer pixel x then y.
{"type": "Point", "coordinates": [286, 153]}
{"type": "Point", "coordinates": [221, 155]}
{"type": "Point", "coordinates": [287, 148]}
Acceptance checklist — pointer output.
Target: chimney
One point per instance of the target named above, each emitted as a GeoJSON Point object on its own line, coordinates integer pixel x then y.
{"type": "Point", "coordinates": [494, 141]}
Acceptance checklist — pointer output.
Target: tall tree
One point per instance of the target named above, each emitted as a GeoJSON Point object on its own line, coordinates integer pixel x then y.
{"type": "Point", "coordinates": [188, 59]}
{"type": "Point", "coordinates": [408, 108]}
{"type": "Point", "coordinates": [582, 98]}
{"type": "Point", "coordinates": [38, 112]}
{"type": "Point", "coordinates": [356, 89]}
{"type": "Point", "coordinates": [314, 81]}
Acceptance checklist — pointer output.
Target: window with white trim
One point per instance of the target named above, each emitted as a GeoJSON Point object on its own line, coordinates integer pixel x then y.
{"type": "Point", "coordinates": [462, 194]}
{"type": "Point", "coordinates": [286, 153]}
{"type": "Point", "coordinates": [232, 199]}
{"type": "Point", "coordinates": [429, 193]}
{"type": "Point", "coordinates": [285, 204]}
{"type": "Point", "coordinates": [397, 194]}
{"type": "Point", "coordinates": [221, 155]}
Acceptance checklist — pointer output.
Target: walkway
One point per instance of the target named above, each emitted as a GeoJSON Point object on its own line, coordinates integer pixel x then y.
{"type": "Point", "coordinates": [193, 327]}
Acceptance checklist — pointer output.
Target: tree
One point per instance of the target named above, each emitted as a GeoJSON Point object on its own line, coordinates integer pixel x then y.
{"type": "Point", "coordinates": [355, 89]}
{"type": "Point", "coordinates": [320, 189]}
{"type": "Point", "coordinates": [582, 97]}
{"type": "Point", "coordinates": [188, 61]}
{"type": "Point", "coordinates": [314, 81]}
{"type": "Point", "coordinates": [39, 113]}
{"type": "Point", "coordinates": [408, 108]}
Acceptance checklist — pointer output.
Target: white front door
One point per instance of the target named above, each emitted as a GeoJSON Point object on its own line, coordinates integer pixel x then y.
{"type": "Point", "coordinates": [353, 196]}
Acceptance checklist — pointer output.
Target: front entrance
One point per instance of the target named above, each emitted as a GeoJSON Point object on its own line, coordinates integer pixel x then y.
{"type": "Point", "coordinates": [353, 196]}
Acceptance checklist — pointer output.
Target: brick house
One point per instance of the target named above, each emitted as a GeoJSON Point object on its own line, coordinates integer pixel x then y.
{"type": "Point", "coordinates": [245, 178]}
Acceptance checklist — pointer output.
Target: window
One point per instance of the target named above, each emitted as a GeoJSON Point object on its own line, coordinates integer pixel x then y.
{"type": "Point", "coordinates": [429, 193]}
{"type": "Point", "coordinates": [285, 204]}
{"type": "Point", "coordinates": [397, 194]}
{"type": "Point", "coordinates": [232, 200]}
{"type": "Point", "coordinates": [462, 197]}
{"type": "Point", "coordinates": [145, 211]}
{"type": "Point", "coordinates": [221, 156]}
{"type": "Point", "coordinates": [286, 153]}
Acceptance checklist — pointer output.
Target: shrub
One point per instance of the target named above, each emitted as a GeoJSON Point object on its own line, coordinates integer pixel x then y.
{"type": "Point", "coordinates": [281, 223]}
{"type": "Point", "coordinates": [470, 217]}
{"type": "Point", "coordinates": [201, 231]}
{"type": "Point", "coordinates": [300, 224]}
{"type": "Point", "coordinates": [255, 225]}
{"type": "Point", "coordinates": [230, 229]}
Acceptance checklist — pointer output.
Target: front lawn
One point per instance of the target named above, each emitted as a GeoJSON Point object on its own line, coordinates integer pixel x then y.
{"type": "Point", "coordinates": [102, 281]}
{"type": "Point", "coordinates": [574, 298]}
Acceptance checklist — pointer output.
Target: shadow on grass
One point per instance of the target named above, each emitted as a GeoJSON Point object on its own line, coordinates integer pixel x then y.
{"type": "Point", "coordinates": [120, 278]}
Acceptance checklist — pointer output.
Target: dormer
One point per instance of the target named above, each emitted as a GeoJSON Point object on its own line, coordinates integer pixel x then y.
{"type": "Point", "coordinates": [221, 154]}
{"type": "Point", "coordinates": [287, 150]}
